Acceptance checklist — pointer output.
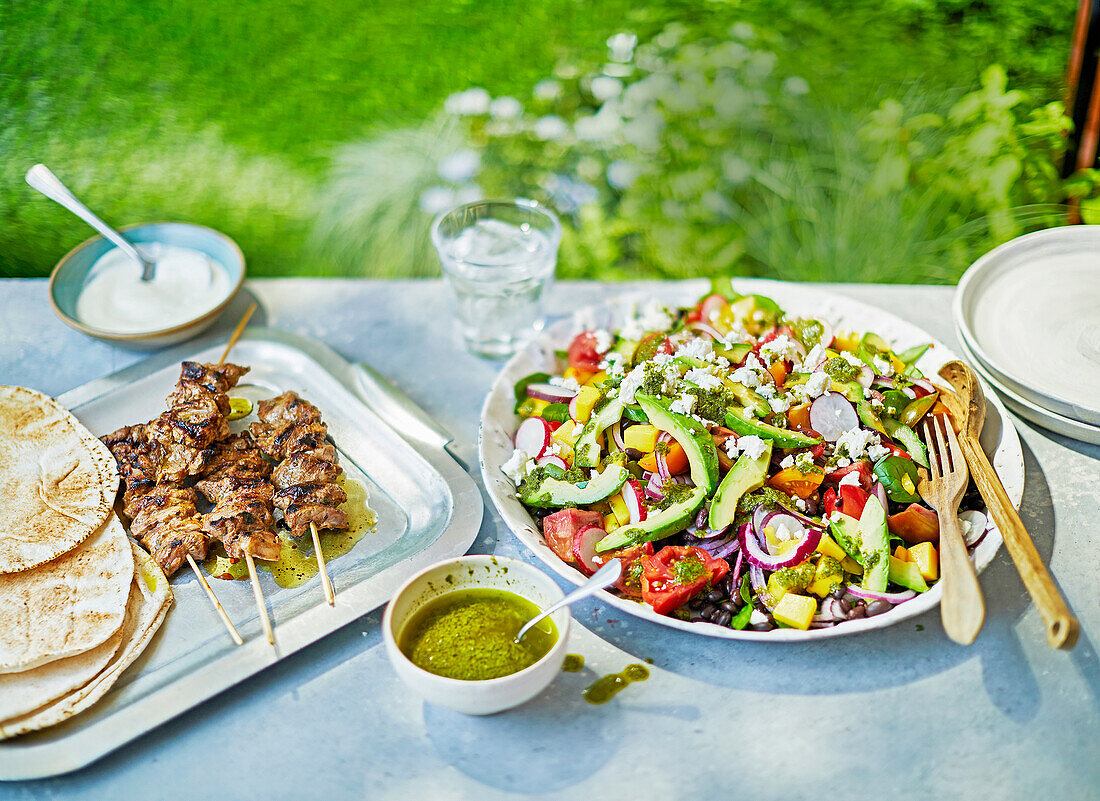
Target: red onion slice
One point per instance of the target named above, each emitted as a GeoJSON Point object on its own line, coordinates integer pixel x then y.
{"type": "Point", "coordinates": [706, 329]}
{"type": "Point", "coordinates": [712, 306]}
{"type": "Point", "coordinates": [889, 597]}
{"type": "Point", "coordinates": [557, 461]}
{"type": "Point", "coordinates": [923, 387]}
{"type": "Point", "coordinates": [551, 393]}
{"type": "Point", "coordinates": [616, 435]}
{"type": "Point", "coordinates": [831, 415]}
{"type": "Point", "coordinates": [756, 575]}
{"type": "Point", "coordinates": [884, 381]}
{"type": "Point", "coordinates": [752, 545]}
{"type": "Point", "coordinates": [866, 377]}
{"type": "Point", "coordinates": [662, 465]}
{"type": "Point", "coordinates": [655, 488]}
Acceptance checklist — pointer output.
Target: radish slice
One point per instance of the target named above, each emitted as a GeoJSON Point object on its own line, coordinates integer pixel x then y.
{"type": "Point", "coordinates": [584, 548]}
{"type": "Point", "coordinates": [879, 492]}
{"type": "Point", "coordinates": [712, 307]}
{"type": "Point", "coordinates": [635, 500]}
{"type": "Point", "coordinates": [573, 409]}
{"type": "Point", "coordinates": [978, 523]}
{"type": "Point", "coordinates": [533, 437]}
{"type": "Point", "coordinates": [831, 415]}
{"type": "Point", "coordinates": [866, 377]}
{"type": "Point", "coordinates": [827, 334]}
{"type": "Point", "coordinates": [550, 393]}
{"type": "Point", "coordinates": [557, 461]}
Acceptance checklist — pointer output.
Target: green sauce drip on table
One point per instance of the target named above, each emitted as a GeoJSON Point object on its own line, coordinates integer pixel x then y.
{"type": "Point", "coordinates": [574, 663]}
{"type": "Point", "coordinates": [470, 635]}
{"type": "Point", "coordinates": [605, 688]}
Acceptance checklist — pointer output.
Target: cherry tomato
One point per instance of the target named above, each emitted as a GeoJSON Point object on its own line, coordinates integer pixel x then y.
{"type": "Point", "coordinates": [676, 574]}
{"type": "Point", "coordinates": [793, 481]}
{"type": "Point", "coordinates": [583, 354]}
{"type": "Point", "coordinates": [852, 500]}
{"type": "Point", "coordinates": [862, 468]}
{"type": "Point", "coordinates": [828, 499]}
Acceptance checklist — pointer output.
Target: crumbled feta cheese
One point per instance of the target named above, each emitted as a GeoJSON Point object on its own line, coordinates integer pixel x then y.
{"type": "Point", "coordinates": [877, 403]}
{"type": "Point", "coordinates": [753, 446]}
{"type": "Point", "coordinates": [856, 441]}
{"type": "Point", "coordinates": [788, 461]}
{"type": "Point", "coordinates": [852, 359]}
{"type": "Point", "coordinates": [783, 533]}
{"type": "Point", "coordinates": [683, 404]}
{"type": "Point", "coordinates": [604, 340]}
{"type": "Point", "coordinates": [662, 359]}
{"type": "Point", "coordinates": [757, 618]}
{"type": "Point", "coordinates": [781, 348]}
{"type": "Point", "coordinates": [779, 405]}
{"type": "Point", "coordinates": [631, 384]}
{"type": "Point", "coordinates": [804, 462]}
{"type": "Point", "coordinates": [750, 373]}
{"type": "Point", "coordinates": [850, 480]}
{"type": "Point", "coordinates": [842, 462]}
{"type": "Point", "coordinates": [613, 364]}
{"type": "Point", "coordinates": [799, 504]}
{"type": "Point", "coordinates": [565, 383]}
{"type": "Point", "coordinates": [813, 359]}
{"type": "Point", "coordinates": [518, 466]}
{"type": "Point", "coordinates": [702, 378]}
{"type": "Point", "coordinates": [766, 390]}
{"type": "Point", "coordinates": [877, 451]}
{"type": "Point", "coordinates": [732, 450]}
{"type": "Point", "coordinates": [653, 317]}
{"type": "Point", "coordinates": [697, 348]}
{"type": "Point", "coordinates": [818, 385]}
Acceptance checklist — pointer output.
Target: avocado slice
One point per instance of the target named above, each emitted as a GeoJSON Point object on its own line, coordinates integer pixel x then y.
{"type": "Point", "coordinates": [587, 449]}
{"type": "Point", "coordinates": [748, 398]}
{"type": "Point", "coordinates": [845, 531]}
{"type": "Point", "coordinates": [739, 421]}
{"type": "Point", "coordinates": [874, 545]}
{"type": "Point", "coordinates": [745, 476]}
{"type": "Point", "coordinates": [851, 390]}
{"type": "Point", "coordinates": [549, 492]}
{"type": "Point", "coordinates": [907, 574]}
{"type": "Point", "coordinates": [657, 525]}
{"type": "Point", "coordinates": [868, 417]}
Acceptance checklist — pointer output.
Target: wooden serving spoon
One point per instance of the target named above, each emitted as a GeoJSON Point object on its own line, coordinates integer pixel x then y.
{"type": "Point", "coordinates": [967, 406]}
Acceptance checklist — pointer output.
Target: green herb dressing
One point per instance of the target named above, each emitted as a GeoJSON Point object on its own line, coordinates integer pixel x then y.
{"type": "Point", "coordinates": [607, 687]}
{"type": "Point", "coordinates": [470, 635]}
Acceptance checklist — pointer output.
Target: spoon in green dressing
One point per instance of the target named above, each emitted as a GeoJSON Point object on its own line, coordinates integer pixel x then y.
{"type": "Point", "coordinates": [601, 579]}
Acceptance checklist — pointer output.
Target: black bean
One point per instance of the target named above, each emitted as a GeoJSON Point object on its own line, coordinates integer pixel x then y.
{"type": "Point", "coordinates": [728, 606]}
{"type": "Point", "coordinates": [857, 612]}
{"type": "Point", "coordinates": [845, 604]}
{"type": "Point", "coordinates": [633, 454]}
{"type": "Point", "coordinates": [762, 627]}
{"type": "Point", "coordinates": [877, 608]}
{"type": "Point", "coordinates": [723, 618]}
{"type": "Point", "coordinates": [708, 611]}
{"type": "Point", "coordinates": [838, 592]}
{"type": "Point", "coordinates": [714, 596]}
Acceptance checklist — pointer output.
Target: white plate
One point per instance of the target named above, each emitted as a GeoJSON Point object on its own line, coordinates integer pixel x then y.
{"type": "Point", "coordinates": [1066, 426]}
{"type": "Point", "coordinates": [498, 422]}
{"type": "Point", "coordinates": [1030, 313]}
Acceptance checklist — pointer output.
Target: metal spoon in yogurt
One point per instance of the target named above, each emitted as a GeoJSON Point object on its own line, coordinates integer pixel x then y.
{"type": "Point", "coordinates": [42, 178]}
{"type": "Point", "coordinates": [601, 579]}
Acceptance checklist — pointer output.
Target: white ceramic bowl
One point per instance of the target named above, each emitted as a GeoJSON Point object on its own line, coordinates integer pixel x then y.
{"type": "Point", "coordinates": [464, 573]}
{"type": "Point", "coordinates": [498, 424]}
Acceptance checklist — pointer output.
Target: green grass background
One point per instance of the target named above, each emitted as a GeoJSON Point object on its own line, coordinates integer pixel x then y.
{"type": "Point", "coordinates": [228, 114]}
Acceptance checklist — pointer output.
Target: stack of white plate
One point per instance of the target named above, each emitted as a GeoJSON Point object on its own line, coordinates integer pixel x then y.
{"type": "Point", "coordinates": [1028, 319]}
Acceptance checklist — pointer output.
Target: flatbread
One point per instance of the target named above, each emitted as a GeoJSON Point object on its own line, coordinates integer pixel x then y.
{"type": "Point", "coordinates": [58, 482]}
{"type": "Point", "coordinates": [68, 606]}
{"type": "Point", "coordinates": [149, 601]}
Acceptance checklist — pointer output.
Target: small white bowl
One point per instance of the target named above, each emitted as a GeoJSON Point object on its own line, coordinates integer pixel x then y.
{"type": "Point", "coordinates": [465, 573]}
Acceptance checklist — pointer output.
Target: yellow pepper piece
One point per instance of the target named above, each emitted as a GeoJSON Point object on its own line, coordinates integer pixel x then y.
{"type": "Point", "coordinates": [619, 510]}
{"type": "Point", "coordinates": [641, 438]}
{"type": "Point", "coordinates": [585, 402]}
{"type": "Point", "coordinates": [568, 433]}
{"type": "Point", "coordinates": [924, 556]}
{"type": "Point", "coordinates": [795, 610]}
{"type": "Point", "coordinates": [581, 375]}
{"type": "Point", "coordinates": [610, 522]}
{"type": "Point", "coordinates": [829, 547]}
{"type": "Point", "coordinates": [597, 378]}
{"type": "Point", "coordinates": [851, 566]}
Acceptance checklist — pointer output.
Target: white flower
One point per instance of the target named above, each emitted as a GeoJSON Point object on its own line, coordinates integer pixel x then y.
{"type": "Point", "coordinates": [818, 385]}
{"type": "Point", "coordinates": [796, 86]}
{"type": "Point", "coordinates": [551, 127]}
{"type": "Point", "coordinates": [702, 379]}
{"type": "Point", "coordinates": [604, 87]}
{"type": "Point", "coordinates": [683, 405]}
{"type": "Point", "coordinates": [621, 174]}
{"type": "Point", "coordinates": [565, 383]}
{"type": "Point", "coordinates": [505, 108]}
{"type": "Point", "coordinates": [697, 348]}
{"type": "Point", "coordinates": [460, 167]}
{"type": "Point", "coordinates": [547, 90]}
{"type": "Point", "coordinates": [604, 340]}
{"type": "Point", "coordinates": [436, 200]}
{"type": "Point", "coordinates": [752, 446]}
{"type": "Point", "coordinates": [518, 466]}
{"type": "Point", "coordinates": [471, 102]}
{"type": "Point", "coordinates": [856, 441]}
{"type": "Point", "coordinates": [620, 47]}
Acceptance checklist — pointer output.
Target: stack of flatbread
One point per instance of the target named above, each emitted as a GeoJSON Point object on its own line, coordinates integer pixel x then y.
{"type": "Point", "coordinates": [78, 600]}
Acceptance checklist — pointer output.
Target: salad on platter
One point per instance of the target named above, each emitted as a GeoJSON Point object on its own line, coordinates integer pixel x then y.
{"type": "Point", "coordinates": [749, 468]}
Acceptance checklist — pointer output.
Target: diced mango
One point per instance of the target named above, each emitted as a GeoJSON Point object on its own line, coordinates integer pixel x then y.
{"type": "Point", "coordinates": [597, 378]}
{"type": "Point", "coordinates": [618, 508]}
{"type": "Point", "coordinates": [641, 438]}
{"type": "Point", "coordinates": [851, 565]}
{"type": "Point", "coordinates": [822, 586]}
{"type": "Point", "coordinates": [829, 547]}
{"type": "Point", "coordinates": [581, 375]}
{"type": "Point", "coordinates": [649, 462]}
{"type": "Point", "coordinates": [610, 522]}
{"type": "Point", "coordinates": [566, 453]}
{"type": "Point", "coordinates": [901, 553]}
{"type": "Point", "coordinates": [795, 610]}
{"type": "Point", "coordinates": [846, 341]}
{"type": "Point", "coordinates": [927, 560]}
{"type": "Point", "coordinates": [584, 403]}
{"type": "Point", "coordinates": [568, 433]}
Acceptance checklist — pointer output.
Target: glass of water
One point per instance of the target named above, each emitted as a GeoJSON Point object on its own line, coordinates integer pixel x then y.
{"type": "Point", "coordinates": [498, 257]}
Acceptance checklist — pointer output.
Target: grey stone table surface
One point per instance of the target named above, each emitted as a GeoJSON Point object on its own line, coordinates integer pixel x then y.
{"type": "Point", "coordinates": [900, 712]}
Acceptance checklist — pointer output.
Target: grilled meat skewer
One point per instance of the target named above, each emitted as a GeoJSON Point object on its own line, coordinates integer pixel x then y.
{"type": "Point", "coordinates": [236, 482]}
{"type": "Point", "coordinates": [291, 432]}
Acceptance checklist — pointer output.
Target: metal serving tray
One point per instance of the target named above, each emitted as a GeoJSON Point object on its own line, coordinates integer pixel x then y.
{"type": "Point", "coordinates": [427, 509]}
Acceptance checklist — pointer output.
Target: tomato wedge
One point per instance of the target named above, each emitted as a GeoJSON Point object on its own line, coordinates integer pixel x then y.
{"type": "Point", "coordinates": [793, 481]}
{"type": "Point", "coordinates": [583, 354]}
{"type": "Point", "coordinates": [630, 582]}
{"type": "Point", "coordinates": [852, 500]}
{"type": "Point", "coordinates": [676, 574]}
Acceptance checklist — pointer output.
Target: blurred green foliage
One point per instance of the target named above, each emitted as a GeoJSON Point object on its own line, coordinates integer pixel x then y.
{"type": "Point", "coordinates": [804, 140]}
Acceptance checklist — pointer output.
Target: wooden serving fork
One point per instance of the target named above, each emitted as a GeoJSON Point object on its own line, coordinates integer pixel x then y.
{"type": "Point", "coordinates": [962, 609]}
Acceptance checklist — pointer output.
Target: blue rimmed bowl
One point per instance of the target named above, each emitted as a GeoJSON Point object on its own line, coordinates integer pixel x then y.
{"type": "Point", "coordinates": [71, 274]}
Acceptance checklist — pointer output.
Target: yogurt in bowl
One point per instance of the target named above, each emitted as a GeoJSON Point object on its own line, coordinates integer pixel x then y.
{"type": "Point", "coordinates": [475, 650]}
{"type": "Point", "coordinates": [98, 290]}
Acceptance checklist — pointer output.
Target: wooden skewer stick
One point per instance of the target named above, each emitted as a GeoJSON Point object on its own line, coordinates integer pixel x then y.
{"type": "Point", "coordinates": [259, 595]}
{"type": "Point", "coordinates": [237, 333]}
{"type": "Point", "coordinates": [214, 600]}
{"type": "Point", "coordinates": [330, 593]}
